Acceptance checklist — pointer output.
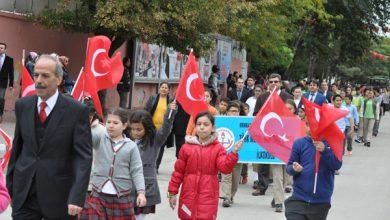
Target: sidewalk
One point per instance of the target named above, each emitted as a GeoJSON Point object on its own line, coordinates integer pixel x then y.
{"type": "Point", "coordinates": [361, 190]}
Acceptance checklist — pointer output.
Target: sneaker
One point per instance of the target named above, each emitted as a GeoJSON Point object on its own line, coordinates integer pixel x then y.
{"type": "Point", "coordinates": [349, 153]}
{"type": "Point", "coordinates": [336, 172]}
{"type": "Point", "coordinates": [368, 144]}
{"type": "Point", "coordinates": [278, 208]}
{"type": "Point", "coordinates": [226, 203]}
{"type": "Point", "coordinates": [273, 203]}
{"type": "Point", "coordinates": [287, 190]}
{"type": "Point", "coordinates": [244, 180]}
{"type": "Point", "coordinates": [358, 140]}
{"type": "Point", "coordinates": [258, 192]}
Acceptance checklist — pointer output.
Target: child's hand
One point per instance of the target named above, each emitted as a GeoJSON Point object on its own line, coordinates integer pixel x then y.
{"type": "Point", "coordinates": [141, 200]}
{"type": "Point", "coordinates": [173, 106]}
{"type": "Point", "coordinates": [320, 146]}
{"type": "Point", "coordinates": [172, 202]}
{"type": "Point", "coordinates": [238, 146]}
{"type": "Point", "coordinates": [297, 167]}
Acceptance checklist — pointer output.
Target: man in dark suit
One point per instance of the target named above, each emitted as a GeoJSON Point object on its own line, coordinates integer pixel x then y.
{"type": "Point", "coordinates": [6, 76]}
{"type": "Point", "coordinates": [240, 92]}
{"type": "Point", "coordinates": [261, 186]}
{"type": "Point", "coordinates": [313, 95]}
{"type": "Point", "coordinates": [179, 127]}
{"type": "Point", "coordinates": [325, 91]}
{"type": "Point", "coordinates": [50, 164]}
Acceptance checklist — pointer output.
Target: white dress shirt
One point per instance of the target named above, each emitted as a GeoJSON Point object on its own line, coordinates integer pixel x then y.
{"type": "Point", "coordinates": [2, 58]}
{"type": "Point", "coordinates": [51, 102]}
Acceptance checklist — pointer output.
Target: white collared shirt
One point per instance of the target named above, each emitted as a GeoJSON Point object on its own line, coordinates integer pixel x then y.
{"type": "Point", "coordinates": [51, 102]}
{"type": "Point", "coordinates": [2, 59]}
{"type": "Point", "coordinates": [312, 96]}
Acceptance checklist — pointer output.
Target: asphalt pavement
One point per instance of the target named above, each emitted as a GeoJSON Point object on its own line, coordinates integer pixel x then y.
{"type": "Point", "coordinates": [362, 190]}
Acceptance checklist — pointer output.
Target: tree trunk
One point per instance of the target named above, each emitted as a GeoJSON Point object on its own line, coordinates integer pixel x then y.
{"type": "Point", "coordinates": [313, 61]}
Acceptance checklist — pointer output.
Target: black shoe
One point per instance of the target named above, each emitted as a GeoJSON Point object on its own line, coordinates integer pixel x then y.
{"type": "Point", "coordinates": [226, 203]}
{"type": "Point", "coordinates": [365, 144]}
{"type": "Point", "coordinates": [287, 190]}
{"type": "Point", "coordinates": [368, 144]}
{"type": "Point", "coordinates": [273, 203]}
{"type": "Point", "coordinates": [278, 208]}
{"type": "Point", "coordinates": [258, 192]}
{"type": "Point", "coordinates": [358, 140]}
{"type": "Point", "coordinates": [255, 183]}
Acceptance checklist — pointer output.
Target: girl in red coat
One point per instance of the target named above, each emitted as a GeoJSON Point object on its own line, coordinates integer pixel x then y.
{"type": "Point", "coordinates": [196, 171]}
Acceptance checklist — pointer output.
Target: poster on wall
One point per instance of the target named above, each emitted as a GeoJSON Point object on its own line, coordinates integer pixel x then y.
{"type": "Point", "coordinates": [175, 64]}
{"type": "Point", "coordinates": [224, 57]}
{"type": "Point", "coordinates": [147, 60]}
{"type": "Point", "coordinates": [205, 66]}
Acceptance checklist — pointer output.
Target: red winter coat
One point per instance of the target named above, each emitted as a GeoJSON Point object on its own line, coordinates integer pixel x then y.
{"type": "Point", "coordinates": [196, 171]}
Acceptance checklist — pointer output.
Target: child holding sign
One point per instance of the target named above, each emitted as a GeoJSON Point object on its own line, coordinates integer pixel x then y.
{"type": "Point", "coordinates": [196, 171]}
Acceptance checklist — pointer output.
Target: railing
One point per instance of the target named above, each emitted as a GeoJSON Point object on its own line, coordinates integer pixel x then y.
{"type": "Point", "coordinates": [26, 6]}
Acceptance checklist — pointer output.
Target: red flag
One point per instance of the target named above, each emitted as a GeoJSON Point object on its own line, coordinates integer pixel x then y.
{"type": "Point", "coordinates": [190, 93]}
{"type": "Point", "coordinates": [28, 85]}
{"type": "Point", "coordinates": [100, 71]}
{"type": "Point", "coordinates": [82, 89]}
{"type": "Point", "coordinates": [275, 127]}
{"type": "Point", "coordinates": [322, 125]}
{"type": "Point", "coordinates": [7, 154]}
{"type": "Point", "coordinates": [105, 72]}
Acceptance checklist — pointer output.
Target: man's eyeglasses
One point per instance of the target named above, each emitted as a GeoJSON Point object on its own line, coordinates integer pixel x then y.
{"type": "Point", "coordinates": [273, 81]}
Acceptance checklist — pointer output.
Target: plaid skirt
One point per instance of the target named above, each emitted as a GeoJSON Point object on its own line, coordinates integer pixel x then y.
{"type": "Point", "coordinates": [99, 206]}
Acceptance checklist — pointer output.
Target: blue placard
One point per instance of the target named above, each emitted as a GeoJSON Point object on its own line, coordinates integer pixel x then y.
{"type": "Point", "coordinates": [230, 129]}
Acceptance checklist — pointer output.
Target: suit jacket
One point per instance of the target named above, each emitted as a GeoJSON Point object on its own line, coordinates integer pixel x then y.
{"type": "Point", "coordinates": [232, 95]}
{"type": "Point", "coordinates": [263, 97]}
{"type": "Point", "coordinates": [61, 165]}
{"type": "Point", "coordinates": [319, 100]}
{"type": "Point", "coordinates": [328, 95]}
{"type": "Point", "coordinates": [7, 72]}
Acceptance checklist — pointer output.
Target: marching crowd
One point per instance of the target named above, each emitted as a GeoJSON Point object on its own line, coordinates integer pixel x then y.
{"type": "Point", "coordinates": [73, 163]}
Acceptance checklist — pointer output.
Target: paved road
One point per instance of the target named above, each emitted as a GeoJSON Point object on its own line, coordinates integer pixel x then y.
{"type": "Point", "coordinates": [362, 190]}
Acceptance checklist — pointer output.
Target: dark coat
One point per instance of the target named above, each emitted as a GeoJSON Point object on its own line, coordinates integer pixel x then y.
{"type": "Point", "coordinates": [124, 84]}
{"type": "Point", "coordinates": [61, 165]}
{"type": "Point", "coordinates": [263, 97]}
{"type": "Point", "coordinates": [181, 121]}
{"type": "Point", "coordinates": [7, 73]}
{"type": "Point", "coordinates": [149, 153]}
{"type": "Point", "coordinates": [328, 95]}
{"type": "Point", "coordinates": [151, 106]}
{"type": "Point", "coordinates": [319, 99]}
{"type": "Point", "coordinates": [232, 95]}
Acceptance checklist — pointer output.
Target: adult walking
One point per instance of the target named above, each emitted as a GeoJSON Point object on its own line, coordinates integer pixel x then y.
{"type": "Point", "coordinates": [50, 164]}
{"type": "Point", "coordinates": [123, 86]}
{"type": "Point", "coordinates": [6, 76]}
{"type": "Point", "coordinates": [274, 82]}
{"type": "Point", "coordinates": [370, 113]}
{"type": "Point", "coordinates": [157, 106]}
{"type": "Point", "coordinates": [325, 91]}
{"type": "Point", "coordinates": [240, 93]}
{"type": "Point", "coordinates": [313, 95]}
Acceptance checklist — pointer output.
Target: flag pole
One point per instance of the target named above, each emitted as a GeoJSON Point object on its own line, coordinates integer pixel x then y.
{"type": "Point", "coordinates": [78, 78]}
{"type": "Point", "coordinates": [245, 134]}
{"type": "Point", "coordinates": [170, 111]}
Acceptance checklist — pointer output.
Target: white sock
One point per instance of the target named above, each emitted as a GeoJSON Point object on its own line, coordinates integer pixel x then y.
{"type": "Point", "coordinates": [140, 217]}
{"type": "Point", "coordinates": [255, 176]}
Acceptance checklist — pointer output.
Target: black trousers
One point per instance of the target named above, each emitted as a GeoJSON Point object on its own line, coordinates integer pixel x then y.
{"type": "Point", "coordinates": [179, 141]}
{"type": "Point", "coordinates": [31, 209]}
{"type": "Point", "coordinates": [299, 210]}
{"type": "Point", "coordinates": [263, 176]}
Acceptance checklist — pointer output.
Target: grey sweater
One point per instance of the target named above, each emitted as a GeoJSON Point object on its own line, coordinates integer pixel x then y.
{"type": "Point", "coordinates": [123, 167]}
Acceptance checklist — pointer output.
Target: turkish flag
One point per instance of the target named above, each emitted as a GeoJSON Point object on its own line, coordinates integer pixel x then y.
{"type": "Point", "coordinates": [28, 85]}
{"type": "Point", "coordinates": [82, 89]}
{"type": "Point", "coordinates": [275, 127]}
{"type": "Point", "coordinates": [8, 144]}
{"type": "Point", "coordinates": [190, 93]}
{"type": "Point", "coordinates": [102, 70]}
{"type": "Point", "coordinates": [322, 125]}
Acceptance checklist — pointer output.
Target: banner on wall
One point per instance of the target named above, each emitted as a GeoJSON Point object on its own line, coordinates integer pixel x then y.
{"type": "Point", "coordinates": [230, 129]}
{"type": "Point", "coordinates": [224, 57]}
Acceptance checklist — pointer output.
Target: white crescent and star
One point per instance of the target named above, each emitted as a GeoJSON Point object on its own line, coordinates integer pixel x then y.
{"type": "Point", "coordinates": [317, 114]}
{"type": "Point", "coordinates": [266, 118]}
{"type": "Point", "coordinates": [95, 54]}
{"type": "Point", "coordinates": [28, 89]}
{"type": "Point", "coordinates": [191, 78]}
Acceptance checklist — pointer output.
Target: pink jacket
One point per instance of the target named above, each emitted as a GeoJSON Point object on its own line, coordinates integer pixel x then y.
{"type": "Point", "coordinates": [4, 196]}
